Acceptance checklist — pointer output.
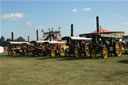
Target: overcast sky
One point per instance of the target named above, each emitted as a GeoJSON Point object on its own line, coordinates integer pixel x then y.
{"type": "Point", "coordinates": [23, 17]}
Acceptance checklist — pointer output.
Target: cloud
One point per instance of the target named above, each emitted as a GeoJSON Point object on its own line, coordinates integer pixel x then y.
{"type": "Point", "coordinates": [12, 16]}
{"type": "Point", "coordinates": [74, 10]}
{"type": "Point", "coordinates": [28, 23]}
{"type": "Point", "coordinates": [87, 9]}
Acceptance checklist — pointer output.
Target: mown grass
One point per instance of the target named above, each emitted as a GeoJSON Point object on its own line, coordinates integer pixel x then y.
{"type": "Point", "coordinates": [63, 70]}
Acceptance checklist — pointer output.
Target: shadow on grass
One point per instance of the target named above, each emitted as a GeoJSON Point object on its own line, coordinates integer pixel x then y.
{"type": "Point", "coordinates": [58, 58]}
{"type": "Point", "coordinates": [19, 56]}
{"type": "Point", "coordinates": [65, 58]}
{"type": "Point", "coordinates": [123, 61]}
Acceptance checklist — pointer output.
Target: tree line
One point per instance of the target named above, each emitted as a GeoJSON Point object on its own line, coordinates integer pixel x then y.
{"type": "Point", "coordinates": [4, 42]}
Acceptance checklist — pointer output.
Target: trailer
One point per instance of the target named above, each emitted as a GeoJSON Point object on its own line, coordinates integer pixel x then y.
{"type": "Point", "coordinates": [106, 43]}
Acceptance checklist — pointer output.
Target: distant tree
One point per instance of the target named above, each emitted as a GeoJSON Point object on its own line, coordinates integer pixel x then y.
{"type": "Point", "coordinates": [8, 39]}
{"type": "Point", "coordinates": [20, 39]}
{"type": "Point", "coordinates": [2, 38]}
{"type": "Point", "coordinates": [2, 41]}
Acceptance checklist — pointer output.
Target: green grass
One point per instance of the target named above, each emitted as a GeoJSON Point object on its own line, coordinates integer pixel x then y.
{"type": "Point", "coordinates": [63, 71]}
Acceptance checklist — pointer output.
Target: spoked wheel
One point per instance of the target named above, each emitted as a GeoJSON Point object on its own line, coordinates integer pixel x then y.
{"type": "Point", "coordinates": [105, 52]}
{"type": "Point", "coordinates": [87, 51]}
{"type": "Point", "coordinates": [62, 53]}
{"type": "Point", "coordinates": [67, 53]}
{"type": "Point", "coordinates": [118, 49]}
{"type": "Point", "coordinates": [53, 54]}
{"type": "Point", "coordinates": [13, 53]}
{"type": "Point", "coordinates": [76, 52]}
{"type": "Point", "coordinates": [93, 53]}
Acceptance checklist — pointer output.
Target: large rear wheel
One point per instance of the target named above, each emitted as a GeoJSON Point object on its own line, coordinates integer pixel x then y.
{"type": "Point", "coordinates": [118, 49]}
{"type": "Point", "coordinates": [105, 52]}
{"type": "Point", "coordinates": [87, 50]}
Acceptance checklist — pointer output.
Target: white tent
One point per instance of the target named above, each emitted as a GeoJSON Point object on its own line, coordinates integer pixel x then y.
{"type": "Point", "coordinates": [1, 49]}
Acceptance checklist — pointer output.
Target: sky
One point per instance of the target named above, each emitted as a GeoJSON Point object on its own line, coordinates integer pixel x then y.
{"type": "Point", "coordinates": [24, 17]}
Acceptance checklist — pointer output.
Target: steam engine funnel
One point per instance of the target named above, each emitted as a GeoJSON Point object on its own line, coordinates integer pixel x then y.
{"type": "Point", "coordinates": [37, 35]}
{"type": "Point", "coordinates": [71, 30]}
{"type": "Point", "coordinates": [12, 37]}
{"type": "Point", "coordinates": [97, 23]}
{"type": "Point", "coordinates": [28, 38]}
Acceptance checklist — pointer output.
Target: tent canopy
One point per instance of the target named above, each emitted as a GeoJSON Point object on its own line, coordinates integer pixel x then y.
{"type": "Point", "coordinates": [101, 30]}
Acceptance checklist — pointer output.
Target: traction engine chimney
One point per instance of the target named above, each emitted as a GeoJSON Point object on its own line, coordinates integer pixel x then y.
{"type": "Point", "coordinates": [97, 23]}
{"type": "Point", "coordinates": [37, 35]}
{"type": "Point", "coordinates": [12, 36]}
{"type": "Point", "coordinates": [71, 30]}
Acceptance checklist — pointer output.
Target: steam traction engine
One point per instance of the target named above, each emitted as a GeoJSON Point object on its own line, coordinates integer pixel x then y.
{"type": "Point", "coordinates": [50, 45]}
{"type": "Point", "coordinates": [76, 45]}
{"type": "Point", "coordinates": [105, 43]}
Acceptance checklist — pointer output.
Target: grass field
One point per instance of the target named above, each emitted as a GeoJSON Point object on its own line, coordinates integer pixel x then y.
{"type": "Point", "coordinates": [63, 71]}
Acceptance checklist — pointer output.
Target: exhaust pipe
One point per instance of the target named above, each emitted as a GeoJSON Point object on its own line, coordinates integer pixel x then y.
{"type": "Point", "coordinates": [37, 35]}
{"type": "Point", "coordinates": [97, 23]}
{"type": "Point", "coordinates": [12, 36]}
{"type": "Point", "coordinates": [71, 30]}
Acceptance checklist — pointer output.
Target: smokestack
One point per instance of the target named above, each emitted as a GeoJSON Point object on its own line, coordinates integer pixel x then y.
{"type": "Point", "coordinates": [37, 34]}
{"type": "Point", "coordinates": [12, 36]}
{"type": "Point", "coordinates": [71, 30]}
{"type": "Point", "coordinates": [97, 23]}
{"type": "Point", "coordinates": [28, 38]}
